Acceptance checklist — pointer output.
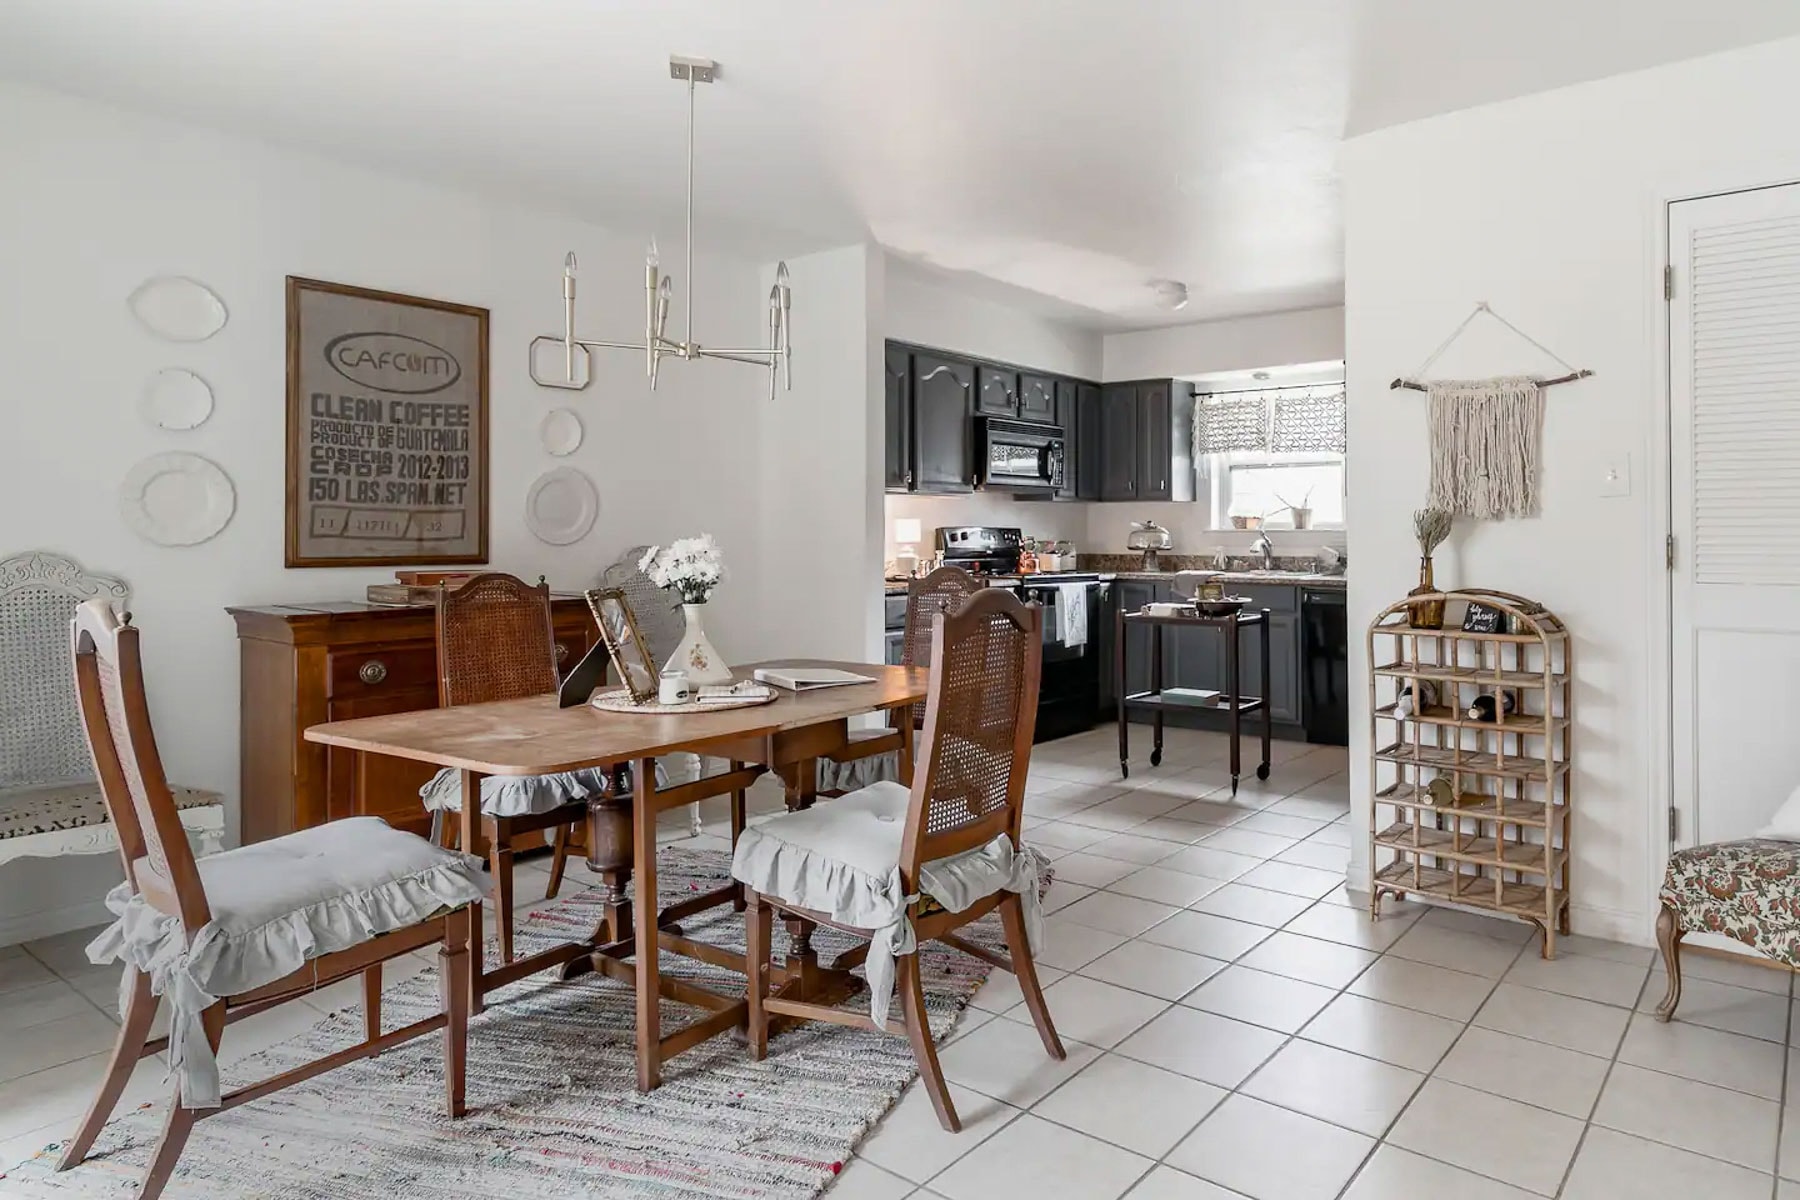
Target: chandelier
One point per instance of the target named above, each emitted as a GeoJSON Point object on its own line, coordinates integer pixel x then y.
{"type": "Point", "coordinates": [659, 289]}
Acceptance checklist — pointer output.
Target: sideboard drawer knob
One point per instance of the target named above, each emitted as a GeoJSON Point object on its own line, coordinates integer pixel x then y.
{"type": "Point", "coordinates": [372, 672]}
{"type": "Point", "coordinates": [562, 653]}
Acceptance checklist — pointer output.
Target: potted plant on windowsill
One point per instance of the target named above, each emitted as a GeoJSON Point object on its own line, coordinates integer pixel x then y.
{"type": "Point", "coordinates": [1301, 512]}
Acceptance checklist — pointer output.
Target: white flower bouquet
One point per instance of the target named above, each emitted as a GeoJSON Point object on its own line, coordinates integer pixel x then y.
{"type": "Point", "coordinates": [692, 566]}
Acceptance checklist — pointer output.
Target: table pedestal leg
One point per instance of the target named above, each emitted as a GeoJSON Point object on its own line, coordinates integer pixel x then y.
{"type": "Point", "coordinates": [610, 857]}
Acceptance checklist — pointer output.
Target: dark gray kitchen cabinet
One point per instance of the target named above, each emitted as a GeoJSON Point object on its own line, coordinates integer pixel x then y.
{"type": "Point", "coordinates": [999, 392]}
{"type": "Point", "coordinates": [1037, 398]}
{"type": "Point", "coordinates": [1283, 690]}
{"type": "Point", "coordinates": [1067, 416]}
{"type": "Point", "coordinates": [897, 413]}
{"type": "Point", "coordinates": [1154, 442]}
{"type": "Point", "coordinates": [1131, 595]}
{"type": "Point", "coordinates": [1118, 442]}
{"type": "Point", "coordinates": [1088, 466]}
{"type": "Point", "coordinates": [943, 392]}
{"type": "Point", "coordinates": [1146, 441]}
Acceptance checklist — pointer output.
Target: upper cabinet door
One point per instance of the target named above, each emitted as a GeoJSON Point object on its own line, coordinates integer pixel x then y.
{"type": "Point", "coordinates": [943, 391]}
{"type": "Point", "coordinates": [897, 410]}
{"type": "Point", "coordinates": [1154, 445]}
{"type": "Point", "coordinates": [1037, 398]}
{"type": "Point", "coordinates": [1086, 444]}
{"type": "Point", "coordinates": [1067, 416]}
{"type": "Point", "coordinates": [999, 394]}
{"type": "Point", "coordinates": [1119, 450]}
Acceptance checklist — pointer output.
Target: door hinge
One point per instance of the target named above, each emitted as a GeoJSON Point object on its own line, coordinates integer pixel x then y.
{"type": "Point", "coordinates": [1668, 283]}
{"type": "Point", "coordinates": [1669, 552]}
{"type": "Point", "coordinates": [1674, 825]}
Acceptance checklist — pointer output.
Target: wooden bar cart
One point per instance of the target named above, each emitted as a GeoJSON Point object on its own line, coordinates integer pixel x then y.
{"type": "Point", "coordinates": [1160, 700]}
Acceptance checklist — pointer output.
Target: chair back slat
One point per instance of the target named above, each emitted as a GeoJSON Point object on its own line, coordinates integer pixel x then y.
{"type": "Point", "coordinates": [494, 641]}
{"type": "Point", "coordinates": [980, 715]}
{"type": "Point", "coordinates": [942, 591]}
{"type": "Point", "coordinates": [109, 685]}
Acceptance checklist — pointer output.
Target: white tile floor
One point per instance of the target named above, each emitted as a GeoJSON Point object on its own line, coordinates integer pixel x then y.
{"type": "Point", "coordinates": [1236, 1026]}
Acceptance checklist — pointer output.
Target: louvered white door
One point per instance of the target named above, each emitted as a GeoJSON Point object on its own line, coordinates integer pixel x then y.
{"type": "Point", "coordinates": [1734, 359]}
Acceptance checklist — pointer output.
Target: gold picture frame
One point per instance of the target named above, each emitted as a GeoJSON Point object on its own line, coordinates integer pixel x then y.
{"type": "Point", "coordinates": [624, 644]}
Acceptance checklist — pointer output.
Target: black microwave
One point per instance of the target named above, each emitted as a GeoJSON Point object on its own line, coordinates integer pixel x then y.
{"type": "Point", "coordinates": [1019, 455]}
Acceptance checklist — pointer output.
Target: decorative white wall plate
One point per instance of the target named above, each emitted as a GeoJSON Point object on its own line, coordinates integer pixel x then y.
{"type": "Point", "coordinates": [178, 309]}
{"type": "Point", "coordinates": [176, 398]}
{"type": "Point", "coordinates": [549, 365]}
{"type": "Point", "coordinates": [561, 431]}
{"type": "Point", "coordinates": [561, 506]}
{"type": "Point", "coordinates": [176, 499]}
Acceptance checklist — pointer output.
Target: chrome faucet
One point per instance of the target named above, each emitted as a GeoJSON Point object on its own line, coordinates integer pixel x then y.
{"type": "Point", "coordinates": [1262, 546]}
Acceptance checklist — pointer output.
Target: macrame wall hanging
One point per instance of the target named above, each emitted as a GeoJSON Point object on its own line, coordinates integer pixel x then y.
{"type": "Point", "coordinates": [1487, 435]}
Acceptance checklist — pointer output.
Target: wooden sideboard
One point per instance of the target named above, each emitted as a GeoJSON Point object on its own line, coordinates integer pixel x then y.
{"type": "Point", "coordinates": [304, 664]}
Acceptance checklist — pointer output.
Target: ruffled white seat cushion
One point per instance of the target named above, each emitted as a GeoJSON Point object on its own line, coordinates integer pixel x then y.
{"type": "Point", "coordinates": [841, 858]}
{"type": "Point", "coordinates": [515, 795]}
{"type": "Point", "coordinates": [276, 905]}
{"type": "Point", "coordinates": [855, 773]}
{"type": "Point", "coordinates": [535, 795]}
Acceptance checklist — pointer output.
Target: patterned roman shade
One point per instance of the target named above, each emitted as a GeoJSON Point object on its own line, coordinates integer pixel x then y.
{"type": "Point", "coordinates": [1283, 420]}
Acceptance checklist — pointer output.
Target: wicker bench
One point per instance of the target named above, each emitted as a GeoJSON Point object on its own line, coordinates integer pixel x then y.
{"type": "Point", "coordinates": [49, 803]}
{"type": "Point", "coordinates": [1746, 890]}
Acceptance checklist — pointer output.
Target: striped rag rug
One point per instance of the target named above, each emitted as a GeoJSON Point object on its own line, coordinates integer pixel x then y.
{"type": "Point", "coordinates": [553, 1104]}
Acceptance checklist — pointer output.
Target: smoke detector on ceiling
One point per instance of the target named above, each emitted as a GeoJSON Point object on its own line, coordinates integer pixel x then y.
{"type": "Point", "coordinates": [1170, 293]}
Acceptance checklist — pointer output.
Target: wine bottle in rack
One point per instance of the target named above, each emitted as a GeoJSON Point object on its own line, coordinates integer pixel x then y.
{"type": "Point", "coordinates": [1489, 707]}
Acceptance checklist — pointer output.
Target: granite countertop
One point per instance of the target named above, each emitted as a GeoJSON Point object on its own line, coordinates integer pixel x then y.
{"type": "Point", "coordinates": [1311, 579]}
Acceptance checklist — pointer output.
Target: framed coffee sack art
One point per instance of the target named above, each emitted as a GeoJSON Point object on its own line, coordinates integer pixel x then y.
{"type": "Point", "coordinates": [387, 428]}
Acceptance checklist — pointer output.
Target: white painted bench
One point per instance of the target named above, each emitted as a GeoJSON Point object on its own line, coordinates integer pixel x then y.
{"type": "Point", "coordinates": [49, 803]}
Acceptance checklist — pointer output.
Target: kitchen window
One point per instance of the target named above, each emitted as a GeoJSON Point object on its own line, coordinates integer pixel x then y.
{"type": "Point", "coordinates": [1256, 483]}
{"type": "Point", "coordinates": [1267, 451]}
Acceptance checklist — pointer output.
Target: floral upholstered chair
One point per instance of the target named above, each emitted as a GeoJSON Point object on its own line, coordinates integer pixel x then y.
{"type": "Point", "coordinates": [50, 804]}
{"type": "Point", "coordinates": [1748, 890]}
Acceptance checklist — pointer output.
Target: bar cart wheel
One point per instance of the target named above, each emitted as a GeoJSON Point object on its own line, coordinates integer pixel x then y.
{"type": "Point", "coordinates": [1156, 758]}
{"type": "Point", "coordinates": [1262, 772]}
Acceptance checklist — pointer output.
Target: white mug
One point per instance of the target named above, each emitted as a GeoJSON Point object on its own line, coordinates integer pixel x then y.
{"type": "Point", "coordinates": [673, 688]}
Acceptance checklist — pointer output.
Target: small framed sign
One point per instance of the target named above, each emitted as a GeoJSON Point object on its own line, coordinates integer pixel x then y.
{"type": "Point", "coordinates": [1480, 618]}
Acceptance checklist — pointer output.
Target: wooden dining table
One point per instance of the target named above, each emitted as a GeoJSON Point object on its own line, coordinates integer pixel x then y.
{"type": "Point", "coordinates": [535, 736]}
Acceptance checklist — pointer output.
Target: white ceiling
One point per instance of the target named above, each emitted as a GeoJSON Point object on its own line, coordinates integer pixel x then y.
{"type": "Point", "coordinates": [1060, 152]}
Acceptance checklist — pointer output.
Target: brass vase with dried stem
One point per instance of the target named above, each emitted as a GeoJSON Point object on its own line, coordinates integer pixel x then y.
{"type": "Point", "coordinates": [1431, 526]}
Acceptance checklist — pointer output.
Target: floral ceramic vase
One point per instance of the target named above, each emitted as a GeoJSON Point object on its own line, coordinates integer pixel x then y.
{"type": "Point", "coordinates": [695, 655]}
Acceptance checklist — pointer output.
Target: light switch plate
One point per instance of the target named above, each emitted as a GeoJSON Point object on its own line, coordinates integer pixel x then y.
{"type": "Point", "coordinates": [1615, 476]}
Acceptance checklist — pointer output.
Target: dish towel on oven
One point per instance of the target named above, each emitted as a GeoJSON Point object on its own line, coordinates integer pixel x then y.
{"type": "Point", "coordinates": [1071, 608]}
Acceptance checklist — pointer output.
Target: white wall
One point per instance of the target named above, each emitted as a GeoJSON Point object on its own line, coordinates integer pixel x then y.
{"type": "Point", "coordinates": [96, 200]}
{"type": "Point", "coordinates": [1550, 208]}
{"type": "Point", "coordinates": [933, 311]}
{"type": "Point", "coordinates": [821, 456]}
{"type": "Point", "coordinates": [1308, 335]}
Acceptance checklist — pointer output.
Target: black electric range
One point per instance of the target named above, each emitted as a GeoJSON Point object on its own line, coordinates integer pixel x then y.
{"type": "Point", "coordinates": [1069, 688]}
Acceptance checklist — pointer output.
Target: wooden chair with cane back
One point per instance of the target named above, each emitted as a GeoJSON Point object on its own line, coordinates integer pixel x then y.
{"type": "Point", "coordinates": [237, 933]}
{"type": "Point", "coordinates": [888, 753]}
{"type": "Point", "coordinates": [495, 642]}
{"type": "Point", "coordinates": [954, 837]}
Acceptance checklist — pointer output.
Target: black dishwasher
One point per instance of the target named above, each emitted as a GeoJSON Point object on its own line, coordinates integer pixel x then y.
{"type": "Point", "coordinates": [1324, 667]}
